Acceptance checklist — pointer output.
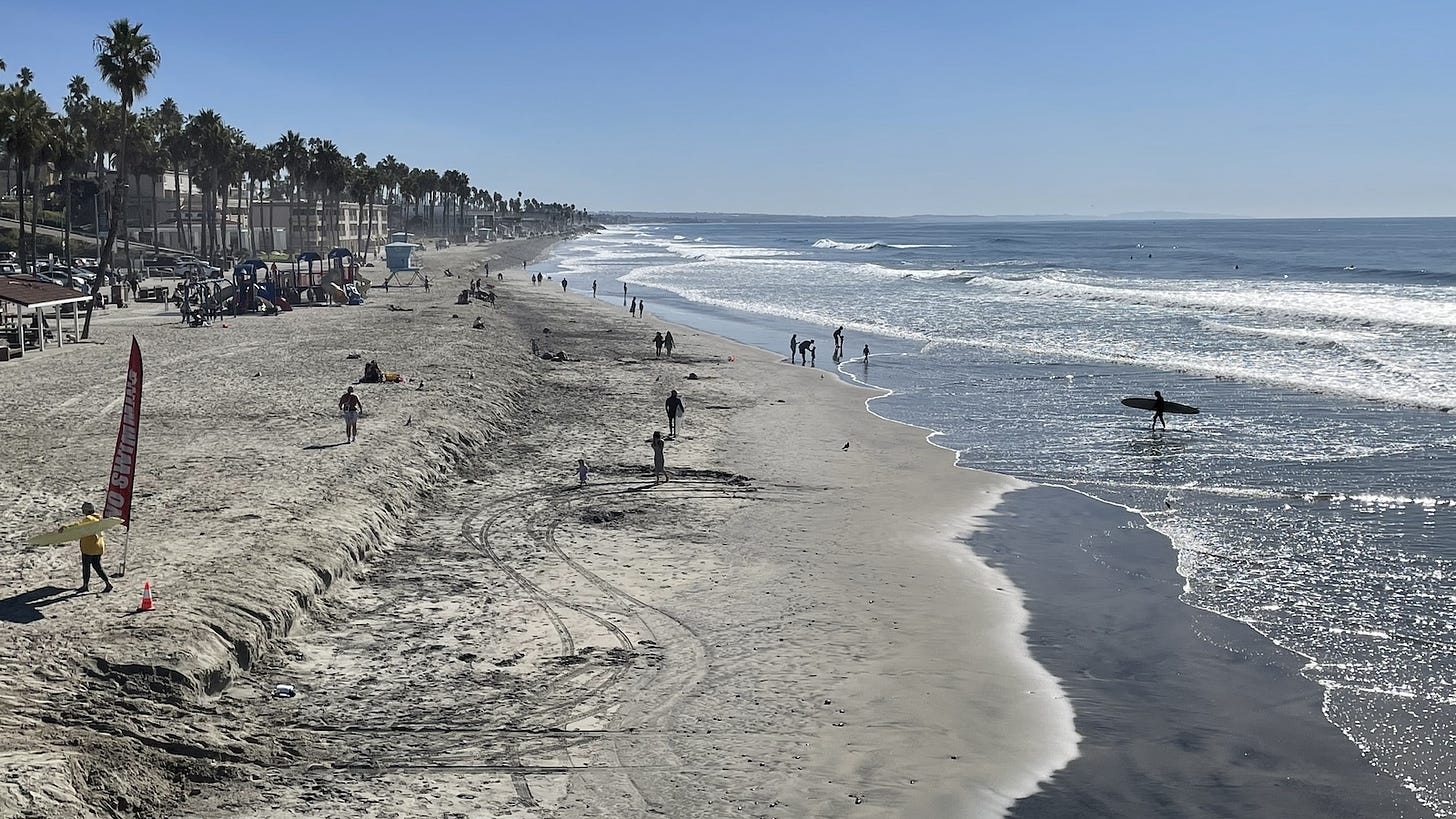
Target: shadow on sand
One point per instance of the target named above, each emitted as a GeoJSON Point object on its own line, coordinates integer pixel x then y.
{"type": "Point", "coordinates": [26, 606]}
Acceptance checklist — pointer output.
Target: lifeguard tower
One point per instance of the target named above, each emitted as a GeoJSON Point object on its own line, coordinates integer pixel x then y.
{"type": "Point", "coordinates": [399, 258]}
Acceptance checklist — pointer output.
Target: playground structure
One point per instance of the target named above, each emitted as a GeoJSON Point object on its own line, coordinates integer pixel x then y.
{"type": "Point", "coordinates": [257, 286]}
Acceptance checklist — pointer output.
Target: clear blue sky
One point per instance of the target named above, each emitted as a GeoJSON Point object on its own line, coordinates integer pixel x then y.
{"type": "Point", "coordinates": [878, 108]}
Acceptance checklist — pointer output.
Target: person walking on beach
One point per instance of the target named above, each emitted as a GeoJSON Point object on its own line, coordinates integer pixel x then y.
{"type": "Point", "coordinates": [641, 308]}
{"type": "Point", "coordinates": [349, 404]}
{"type": "Point", "coordinates": [793, 346]}
{"type": "Point", "coordinates": [1158, 410]}
{"type": "Point", "coordinates": [632, 311]}
{"type": "Point", "coordinates": [667, 343]}
{"type": "Point", "coordinates": [92, 547]}
{"type": "Point", "coordinates": [867, 355]}
{"type": "Point", "coordinates": [582, 470]}
{"type": "Point", "coordinates": [674, 412]}
{"type": "Point", "coordinates": [659, 462]}
{"type": "Point", "coordinates": [657, 342]}
{"type": "Point", "coordinates": [563, 284]}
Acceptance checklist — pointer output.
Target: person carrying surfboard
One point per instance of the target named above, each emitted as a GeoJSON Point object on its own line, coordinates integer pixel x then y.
{"type": "Point", "coordinates": [92, 547]}
{"type": "Point", "coordinates": [674, 412]}
{"type": "Point", "coordinates": [1158, 404]}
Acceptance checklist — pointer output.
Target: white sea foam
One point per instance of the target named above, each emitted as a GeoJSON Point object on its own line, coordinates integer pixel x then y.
{"type": "Point", "coordinates": [832, 244]}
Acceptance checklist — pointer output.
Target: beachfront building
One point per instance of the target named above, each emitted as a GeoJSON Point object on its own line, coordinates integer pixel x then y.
{"type": "Point", "coordinates": [318, 226]}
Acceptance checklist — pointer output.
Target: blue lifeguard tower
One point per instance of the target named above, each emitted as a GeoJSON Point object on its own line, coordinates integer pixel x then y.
{"type": "Point", "coordinates": [399, 258]}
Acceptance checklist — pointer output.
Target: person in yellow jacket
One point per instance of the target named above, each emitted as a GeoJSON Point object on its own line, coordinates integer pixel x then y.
{"type": "Point", "coordinates": [92, 547]}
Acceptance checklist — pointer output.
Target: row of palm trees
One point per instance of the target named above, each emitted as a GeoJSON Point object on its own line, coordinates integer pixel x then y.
{"type": "Point", "coordinates": [91, 136]}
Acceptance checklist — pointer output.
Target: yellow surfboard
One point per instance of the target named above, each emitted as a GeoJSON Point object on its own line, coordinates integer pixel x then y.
{"type": "Point", "coordinates": [74, 532]}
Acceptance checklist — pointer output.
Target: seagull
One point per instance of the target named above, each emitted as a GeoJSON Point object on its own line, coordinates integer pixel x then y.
{"type": "Point", "coordinates": [846, 446]}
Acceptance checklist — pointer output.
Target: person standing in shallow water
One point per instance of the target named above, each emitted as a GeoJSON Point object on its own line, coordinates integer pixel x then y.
{"type": "Point", "coordinates": [659, 461]}
{"type": "Point", "coordinates": [804, 351]}
{"type": "Point", "coordinates": [793, 347]}
{"type": "Point", "coordinates": [632, 311]}
{"type": "Point", "coordinates": [1158, 410]}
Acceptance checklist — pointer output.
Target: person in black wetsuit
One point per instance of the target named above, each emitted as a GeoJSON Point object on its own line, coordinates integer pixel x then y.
{"type": "Point", "coordinates": [674, 411]}
{"type": "Point", "coordinates": [1158, 410]}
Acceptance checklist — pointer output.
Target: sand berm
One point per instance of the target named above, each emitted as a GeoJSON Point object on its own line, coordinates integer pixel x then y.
{"type": "Point", "coordinates": [785, 628]}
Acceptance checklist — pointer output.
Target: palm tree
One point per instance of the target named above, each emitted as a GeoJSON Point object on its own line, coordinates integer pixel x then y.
{"type": "Point", "coordinates": [209, 134]}
{"type": "Point", "coordinates": [174, 146]}
{"type": "Point", "coordinates": [126, 59]}
{"type": "Point", "coordinates": [25, 124]}
{"type": "Point", "coordinates": [66, 151]}
{"type": "Point", "coordinates": [291, 154]}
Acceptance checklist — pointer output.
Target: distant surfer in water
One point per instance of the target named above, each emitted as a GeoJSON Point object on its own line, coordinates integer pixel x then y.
{"type": "Point", "coordinates": [1158, 410]}
{"type": "Point", "coordinates": [349, 403]}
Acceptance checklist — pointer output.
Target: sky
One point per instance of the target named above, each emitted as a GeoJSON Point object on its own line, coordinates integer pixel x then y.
{"type": "Point", "coordinates": [1258, 109]}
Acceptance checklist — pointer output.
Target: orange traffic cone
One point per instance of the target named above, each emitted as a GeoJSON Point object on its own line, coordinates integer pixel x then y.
{"type": "Point", "coordinates": [146, 596]}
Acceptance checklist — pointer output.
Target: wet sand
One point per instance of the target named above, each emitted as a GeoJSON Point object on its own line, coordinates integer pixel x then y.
{"type": "Point", "coordinates": [1181, 712]}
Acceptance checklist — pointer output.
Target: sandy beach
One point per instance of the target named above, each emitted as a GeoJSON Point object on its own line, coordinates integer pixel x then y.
{"type": "Point", "coordinates": [787, 627]}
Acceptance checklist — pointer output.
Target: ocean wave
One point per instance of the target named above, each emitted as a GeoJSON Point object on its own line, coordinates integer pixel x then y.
{"type": "Point", "coordinates": [1397, 307]}
{"type": "Point", "coordinates": [832, 244]}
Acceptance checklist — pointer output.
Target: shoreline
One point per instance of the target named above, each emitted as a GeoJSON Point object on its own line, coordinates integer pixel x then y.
{"type": "Point", "coordinates": [1098, 781]}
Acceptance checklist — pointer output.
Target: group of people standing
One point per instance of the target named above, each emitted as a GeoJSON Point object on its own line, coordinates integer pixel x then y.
{"type": "Point", "coordinates": [805, 352]}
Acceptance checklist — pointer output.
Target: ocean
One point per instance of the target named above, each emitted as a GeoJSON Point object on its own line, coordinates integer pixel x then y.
{"type": "Point", "coordinates": [1310, 499]}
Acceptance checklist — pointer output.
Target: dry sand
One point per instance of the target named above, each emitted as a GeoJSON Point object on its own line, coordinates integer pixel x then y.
{"type": "Point", "coordinates": [786, 628]}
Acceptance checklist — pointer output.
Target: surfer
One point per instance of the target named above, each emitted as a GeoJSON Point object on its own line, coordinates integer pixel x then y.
{"type": "Point", "coordinates": [674, 412]}
{"type": "Point", "coordinates": [659, 461]}
{"type": "Point", "coordinates": [92, 547]}
{"type": "Point", "coordinates": [349, 403]}
{"type": "Point", "coordinates": [1158, 410]}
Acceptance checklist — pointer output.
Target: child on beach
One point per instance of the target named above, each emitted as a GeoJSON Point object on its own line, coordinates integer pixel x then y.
{"type": "Point", "coordinates": [92, 547]}
{"type": "Point", "coordinates": [659, 462]}
{"type": "Point", "coordinates": [582, 470]}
